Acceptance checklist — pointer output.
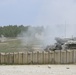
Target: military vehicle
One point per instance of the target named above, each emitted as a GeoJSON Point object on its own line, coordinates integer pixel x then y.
{"type": "Point", "coordinates": [62, 44]}
{"type": "Point", "coordinates": [71, 44]}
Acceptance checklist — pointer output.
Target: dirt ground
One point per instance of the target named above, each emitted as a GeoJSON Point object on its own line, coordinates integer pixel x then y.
{"type": "Point", "coordinates": [37, 69]}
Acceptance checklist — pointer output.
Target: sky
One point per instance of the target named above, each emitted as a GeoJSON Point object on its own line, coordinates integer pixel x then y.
{"type": "Point", "coordinates": [58, 16]}
{"type": "Point", "coordinates": [37, 12]}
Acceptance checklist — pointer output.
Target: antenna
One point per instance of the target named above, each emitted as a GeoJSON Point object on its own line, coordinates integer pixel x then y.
{"type": "Point", "coordinates": [72, 37]}
{"type": "Point", "coordinates": [65, 29]}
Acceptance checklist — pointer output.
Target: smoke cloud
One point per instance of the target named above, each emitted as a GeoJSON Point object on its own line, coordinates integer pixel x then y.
{"type": "Point", "coordinates": [58, 18]}
{"type": "Point", "coordinates": [39, 37]}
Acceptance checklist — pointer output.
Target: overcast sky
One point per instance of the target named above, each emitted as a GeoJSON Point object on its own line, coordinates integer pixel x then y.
{"type": "Point", "coordinates": [54, 13]}
{"type": "Point", "coordinates": [37, 12]}
{"type": "Point", "coordinates": [60, 15]}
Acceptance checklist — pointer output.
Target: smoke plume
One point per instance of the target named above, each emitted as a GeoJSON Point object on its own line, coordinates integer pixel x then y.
{"type": "Point", "coordinates": [40, 37]}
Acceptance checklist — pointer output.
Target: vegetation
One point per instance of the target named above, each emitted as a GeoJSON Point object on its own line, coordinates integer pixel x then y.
{"type": "Point", "coordinates": [12, 31]}
{"type": "Point", "coordinates": [12, 43]}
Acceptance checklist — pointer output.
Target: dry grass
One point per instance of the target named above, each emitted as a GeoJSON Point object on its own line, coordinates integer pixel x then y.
{"type": "Point", "coordinates": [10, 45]}
{"type": "Point", "coordinates": [14, 45]}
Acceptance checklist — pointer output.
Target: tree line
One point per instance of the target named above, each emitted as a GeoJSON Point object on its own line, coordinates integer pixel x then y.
{"type": "Point", "coordinates": [14, 30]}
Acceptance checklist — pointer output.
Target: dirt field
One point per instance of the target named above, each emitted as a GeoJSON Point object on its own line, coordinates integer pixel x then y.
{"type": "Point", "coordinates": [16, 45]}
{"type": "Point", "coordinates": [38, 70]}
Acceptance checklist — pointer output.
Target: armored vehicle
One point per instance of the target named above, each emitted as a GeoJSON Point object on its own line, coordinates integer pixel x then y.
{"type": "Point", "coordinates": [62, 44]}
{"type": "Point", "coordinates": [71, 44]}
